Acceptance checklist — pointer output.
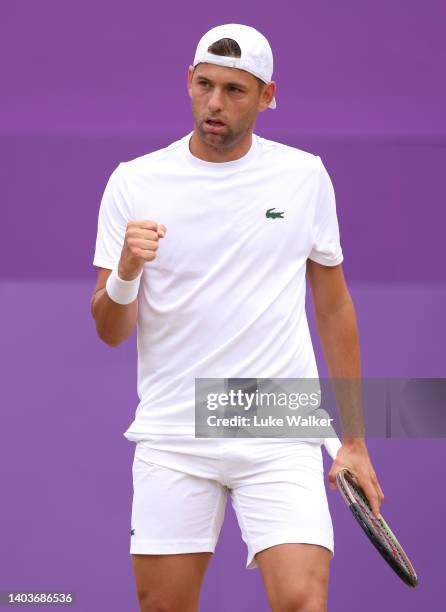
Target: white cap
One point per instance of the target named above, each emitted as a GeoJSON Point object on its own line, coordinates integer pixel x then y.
{"type": "Point", "coordinates": [256, 54]}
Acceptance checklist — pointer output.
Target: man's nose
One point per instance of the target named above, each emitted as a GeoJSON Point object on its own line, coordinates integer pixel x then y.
{"type": "Point", "coordinates": [215, 99]}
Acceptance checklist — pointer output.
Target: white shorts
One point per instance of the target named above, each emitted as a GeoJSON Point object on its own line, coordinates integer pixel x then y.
{"type": "Point", "coordinates": [180, 488]}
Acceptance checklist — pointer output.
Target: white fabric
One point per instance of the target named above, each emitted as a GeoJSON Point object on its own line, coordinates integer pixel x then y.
{"type": "Point", "coordinates": [122, 291]}
{"type": "Point", "coordinates": [256, 54]}
{"type": "Point", "coordinates": [276, 488]}
{"type": "Point", "coordinates": [225, 296]}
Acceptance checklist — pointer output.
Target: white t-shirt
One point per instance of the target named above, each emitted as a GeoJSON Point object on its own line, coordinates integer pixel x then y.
{"type": "Point", "coordinates": [225, 296]}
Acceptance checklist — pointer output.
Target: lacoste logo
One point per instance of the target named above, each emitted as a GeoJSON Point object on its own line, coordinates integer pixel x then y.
{"type": "Point", "coordinates": [273, 215]}
{"type": "Point", "coordinates": [132, 532]}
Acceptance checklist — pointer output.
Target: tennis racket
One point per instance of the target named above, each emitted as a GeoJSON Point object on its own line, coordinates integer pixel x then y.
{"type": "Point", "coordinates": [377, 530]}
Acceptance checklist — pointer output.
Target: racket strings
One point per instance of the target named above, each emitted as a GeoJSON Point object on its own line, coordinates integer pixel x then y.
{"type": "Point", "coordinates": [376, 529]}
{"type": "Point", "coordinates": [379, 527]}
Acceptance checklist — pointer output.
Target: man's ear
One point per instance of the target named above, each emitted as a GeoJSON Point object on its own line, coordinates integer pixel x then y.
{"type": "Point", "coordinates": [190, 72]}
{"type": "Point", "coordinates": [271, 88]}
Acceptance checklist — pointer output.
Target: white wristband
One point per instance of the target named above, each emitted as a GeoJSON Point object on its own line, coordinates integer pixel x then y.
{"type": "Point", "coordinates": [122, 291]}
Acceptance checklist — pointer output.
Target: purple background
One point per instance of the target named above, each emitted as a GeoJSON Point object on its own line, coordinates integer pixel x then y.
{"type": "Point", "coordinates": [90, 84]}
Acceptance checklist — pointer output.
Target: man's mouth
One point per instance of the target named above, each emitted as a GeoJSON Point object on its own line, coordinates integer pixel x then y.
{"type": "Point", "coordinates": [214, 126]}
{"type": "Point", "coordinates": [214, 122]}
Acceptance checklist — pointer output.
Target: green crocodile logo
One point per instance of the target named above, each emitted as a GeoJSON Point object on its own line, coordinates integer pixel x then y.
{"type": "Point", "coordinates": [273, 215]}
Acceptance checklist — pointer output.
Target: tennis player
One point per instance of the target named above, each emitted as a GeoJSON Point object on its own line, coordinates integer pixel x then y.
{"type": "Point", "coordinates": [205, 247]}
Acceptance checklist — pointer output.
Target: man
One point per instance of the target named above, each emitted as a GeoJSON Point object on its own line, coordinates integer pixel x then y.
{"type": "Point", "coordinates": [205, 246]}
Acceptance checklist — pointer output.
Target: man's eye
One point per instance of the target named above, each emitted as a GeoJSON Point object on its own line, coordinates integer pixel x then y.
{"type": "Point", "coordinates": [232, 88]}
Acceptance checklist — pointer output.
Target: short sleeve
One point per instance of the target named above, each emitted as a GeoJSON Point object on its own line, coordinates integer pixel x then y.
{"type": "Point", "coordinates": [112, 222]}
{"type": "Point", "coordinates": [326, 247]}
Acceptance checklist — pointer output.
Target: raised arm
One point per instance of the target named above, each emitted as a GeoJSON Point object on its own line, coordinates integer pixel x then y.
{"type": "Point", "coordinates": [115, 320]}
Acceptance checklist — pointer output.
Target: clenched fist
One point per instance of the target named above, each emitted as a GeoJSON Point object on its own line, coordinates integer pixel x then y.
{"type": "Point", "coordinates": [140, 245]}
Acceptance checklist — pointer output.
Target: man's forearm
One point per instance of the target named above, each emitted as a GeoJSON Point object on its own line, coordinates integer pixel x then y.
{"type": "Point", "coordinates": [114, 322]}
{"type": "Point", "coordinates": [340, 342]}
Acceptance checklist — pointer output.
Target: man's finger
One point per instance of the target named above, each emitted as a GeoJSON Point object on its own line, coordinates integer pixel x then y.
{"type": "Point", "coordinates": [380, 492]}
{"type": "Point", "coordinates": [161, 229]}
{"type": "Point", "coordinates": [332, 480]}
{"type": "Point", "coordinates": [143, 224]}
{"type": "Point", "coordinates": [372, 496]}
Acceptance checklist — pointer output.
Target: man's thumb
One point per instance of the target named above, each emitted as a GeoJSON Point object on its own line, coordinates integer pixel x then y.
{"type": "Point", "coordinates": [332, 481]}
{"type": "Point", "coordinates": [161, 230]}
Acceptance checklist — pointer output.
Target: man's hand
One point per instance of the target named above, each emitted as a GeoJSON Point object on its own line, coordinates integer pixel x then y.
{"type": "Point", "coordinates": [355, 457]}
{"type": "Point", "coordinates": [140, 245]}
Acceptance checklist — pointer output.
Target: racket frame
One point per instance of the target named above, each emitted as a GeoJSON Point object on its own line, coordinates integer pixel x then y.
{"type": "Point", "coordinates": [409, 576]}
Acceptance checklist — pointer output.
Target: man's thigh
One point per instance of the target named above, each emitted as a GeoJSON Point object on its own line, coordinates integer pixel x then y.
{"type": "Point", "coordinates": [175, 524]}
{"type": "Point", "coordinates": [173, 512]}
{"type": "Point", "coordinates": [280, 498]}
{"type": "Point", "coordinates": [295, 576]}
{"type": "Point", "coordinates": [170, 582]}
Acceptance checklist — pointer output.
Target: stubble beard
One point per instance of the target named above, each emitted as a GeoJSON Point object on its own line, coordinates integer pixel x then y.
{"type": "Point", "coordinates": [223, 140]}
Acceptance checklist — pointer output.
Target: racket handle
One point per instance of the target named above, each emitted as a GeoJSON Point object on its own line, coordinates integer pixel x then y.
{"type": "Point", "coordinates": [332, 445]}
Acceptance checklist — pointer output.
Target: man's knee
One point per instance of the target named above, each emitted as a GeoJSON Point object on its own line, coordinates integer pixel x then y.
{"type": "Point", "coordinates": [302, 602]}
{"type": "Point", "coordinates": [310, 596]}
{"type": "Point", "coordinates": [169, 583]}
{"type": "Point", "coordinates": [161, 602]}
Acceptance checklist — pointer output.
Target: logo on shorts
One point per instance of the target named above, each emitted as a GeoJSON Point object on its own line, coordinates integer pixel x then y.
{"type": "Point", "coordinates": [273, 215]}
{"type": "Point", "coordinates": [132, 532]}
